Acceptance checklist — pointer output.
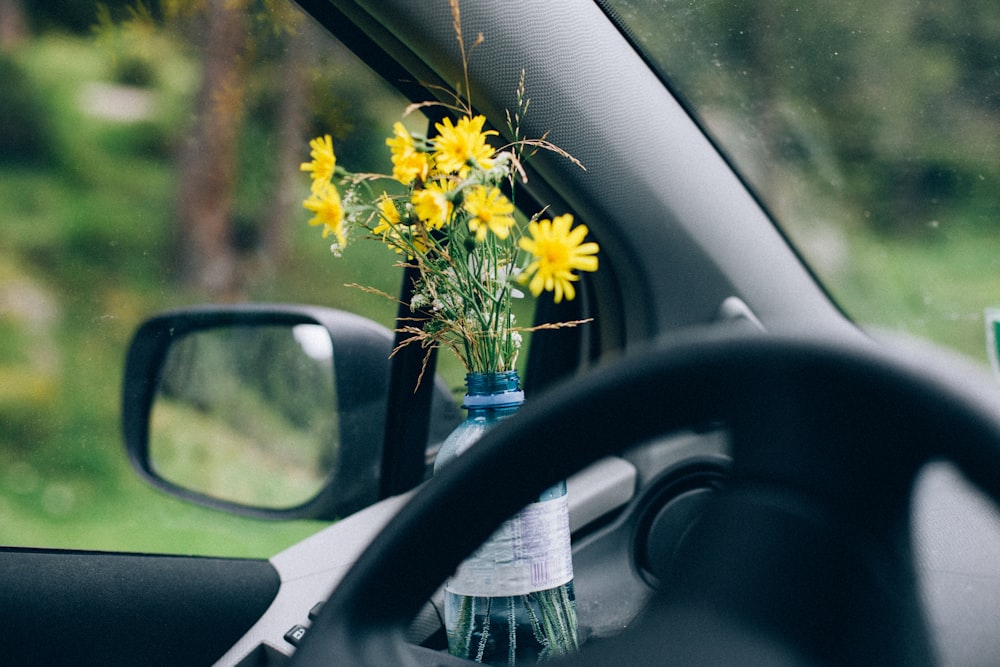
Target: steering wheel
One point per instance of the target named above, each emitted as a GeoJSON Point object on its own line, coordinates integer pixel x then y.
{"type": "Point", "coordinates": [803, 557]}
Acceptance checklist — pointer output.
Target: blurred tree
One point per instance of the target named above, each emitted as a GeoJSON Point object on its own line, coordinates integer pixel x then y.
{"type": "Point", "coordinates": [238, 156]}
{"type": "Point", "coordinates": [267, 78]}
{"type": "Point", "coordinates": [215, 242]}
{"type": "Point", "coordinates": [889, 105]}
{"type": "Point", "coordinates": [205, 257]}
{"type": "Point", "coordinates": [290, 124]}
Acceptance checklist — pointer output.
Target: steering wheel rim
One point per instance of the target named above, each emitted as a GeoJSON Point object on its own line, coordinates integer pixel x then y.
{"type": "Point", "coordinates": [871, 419]}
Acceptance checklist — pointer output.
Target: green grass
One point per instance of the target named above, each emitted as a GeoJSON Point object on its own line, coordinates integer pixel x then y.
{"type": "Point", "coordinates": [65, 513]}
{"type": "Point", "coordinates": [934, 288]}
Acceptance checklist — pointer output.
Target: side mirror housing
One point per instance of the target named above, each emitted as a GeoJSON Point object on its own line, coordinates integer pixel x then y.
{"type": "Point", "coordinates": [275, 412]}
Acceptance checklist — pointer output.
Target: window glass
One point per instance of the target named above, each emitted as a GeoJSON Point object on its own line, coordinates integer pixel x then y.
{"type": "Point", "coordinates": [149, 159]}
{"type": "Point", "coordinates": [869, 129]}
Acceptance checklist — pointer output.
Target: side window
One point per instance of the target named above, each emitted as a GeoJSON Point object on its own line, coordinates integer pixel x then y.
{"type": "Point", "coordinates": [149, 159]}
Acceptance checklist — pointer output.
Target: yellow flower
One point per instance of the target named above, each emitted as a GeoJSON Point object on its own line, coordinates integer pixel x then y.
{"type": "Point", "coordinates": [557, 251]}
{"type": "Point", "coordinates": [388, 216]}
{"type": "Point", "coordinates": [411, 167]}
{"type": "Point", "coordinates": [458, 146]}
{"type": "Point", "coordinates": [401, 238]}
{"type": "Point", "coordinates": [402, 141]}
{"type": "Point", "coordinates": [489, 210]}
{"type": "Point", "coordinates": [323, 162]}
{"type": "Point", "coordinates": [408, 164]}
{"type": "Point", "coordinates": [329, 212]}
{"type": "Point", "coordinates": [433, 205]}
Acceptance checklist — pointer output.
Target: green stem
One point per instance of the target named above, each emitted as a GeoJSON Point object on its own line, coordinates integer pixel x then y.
{"type": "Point", "coordinates": [486, 630]}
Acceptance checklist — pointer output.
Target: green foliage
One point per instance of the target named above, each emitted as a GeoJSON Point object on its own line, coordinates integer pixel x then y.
{"type": "Point", "coordinates": [341, 106]}
{"type": "Point", "coordinates": [84, 241]}
{"type": "Point", "coordinates": [129, 43]}
{"type": "Point", "coordinates": [934, 286]}
{"type": "Point", "coordinates": [75, 16]}
{"type": "Point", "coordinates": [890, 104]}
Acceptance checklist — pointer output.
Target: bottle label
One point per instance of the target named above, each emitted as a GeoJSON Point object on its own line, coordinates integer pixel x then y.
{"type": "Point", "coordinates": [528, 553]}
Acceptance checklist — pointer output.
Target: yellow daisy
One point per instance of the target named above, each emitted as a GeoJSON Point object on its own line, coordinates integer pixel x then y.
{"type": "Point", "coordinates": [402, 141]}
{"type": "Point", "coordinates": [323, 163]}
{"type": "Point", "coordinates": [329, 212]}
{"type": "Point", "coordinates": [557, 251]}
{"type": "Point", "coordinates": [408, 163]}
{"type": "Point", "coordinates": [456, 147]}
{"type": "Point", "coordinates": [388, 216]}
{"type": "Point", "coordinates": [411, 167]}
{"type": "Point", "coordinates": [433, 205]}
{"type": "Point", "coordinates": [489, 211]}
{"type": "Point", "coordinates": [401, 238]}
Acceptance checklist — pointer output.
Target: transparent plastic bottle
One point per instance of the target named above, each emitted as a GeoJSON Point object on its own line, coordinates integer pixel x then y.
{"type": "Point", "coordinates": [512, 602]}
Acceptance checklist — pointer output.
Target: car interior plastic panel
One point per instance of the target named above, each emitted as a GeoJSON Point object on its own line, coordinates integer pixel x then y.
{"type": "Point", "coordinates": [104, 606]}
{"type": "Point", "coordinates": [310, 569]}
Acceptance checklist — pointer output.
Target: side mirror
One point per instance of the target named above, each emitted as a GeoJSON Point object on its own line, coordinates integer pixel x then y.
{"type": "Point", "coordinates": [270, 411]}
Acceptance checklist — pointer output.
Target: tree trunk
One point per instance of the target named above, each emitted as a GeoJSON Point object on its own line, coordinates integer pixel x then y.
{"type": "Point", "coordinates": [13, 26]}
{"type": "Point", "coordinates": [205, 257]}
{"type": "Point", "coordinates": [291, 141]}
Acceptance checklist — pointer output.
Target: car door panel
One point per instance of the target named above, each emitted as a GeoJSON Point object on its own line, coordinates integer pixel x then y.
{"type": "Point", "coordinates": [93, 608]}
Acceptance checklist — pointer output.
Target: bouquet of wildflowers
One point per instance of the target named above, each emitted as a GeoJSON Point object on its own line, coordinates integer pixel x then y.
{"type": "Point", "coordinates": [455, 224]}
{"type": "Point", "coordinates": [450, 215]}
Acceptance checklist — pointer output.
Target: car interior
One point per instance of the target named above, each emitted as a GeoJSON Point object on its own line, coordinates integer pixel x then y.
{"type": "Point", "coordinates": [752, 477]}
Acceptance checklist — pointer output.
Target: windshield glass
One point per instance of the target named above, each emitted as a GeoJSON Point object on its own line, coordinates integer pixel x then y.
{"type": "Point", "coordinates": [871, 132]}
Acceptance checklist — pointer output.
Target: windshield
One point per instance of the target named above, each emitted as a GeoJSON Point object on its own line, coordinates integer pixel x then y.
{"type": "Point", "coordinates": [870, 131]}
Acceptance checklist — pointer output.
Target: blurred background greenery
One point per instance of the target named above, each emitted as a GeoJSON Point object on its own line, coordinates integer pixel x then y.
{"type": "Point", "coordinates": [149, 154]}
{"type": "Point", "coordinates": [98, 107]}
{"type": "Point", "coordinates": [870, 129]}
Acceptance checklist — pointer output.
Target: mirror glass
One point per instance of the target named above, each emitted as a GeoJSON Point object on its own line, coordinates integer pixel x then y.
{"type": "Point", "coordinates": [247, 414]}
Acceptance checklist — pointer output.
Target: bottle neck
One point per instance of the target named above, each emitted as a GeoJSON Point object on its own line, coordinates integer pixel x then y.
{"type": "Point", "coordinates": [491, 391]}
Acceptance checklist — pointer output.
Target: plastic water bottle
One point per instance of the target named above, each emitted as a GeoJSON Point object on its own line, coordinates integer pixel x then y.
{"type": "Point", "coordinates": [512, 601]}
